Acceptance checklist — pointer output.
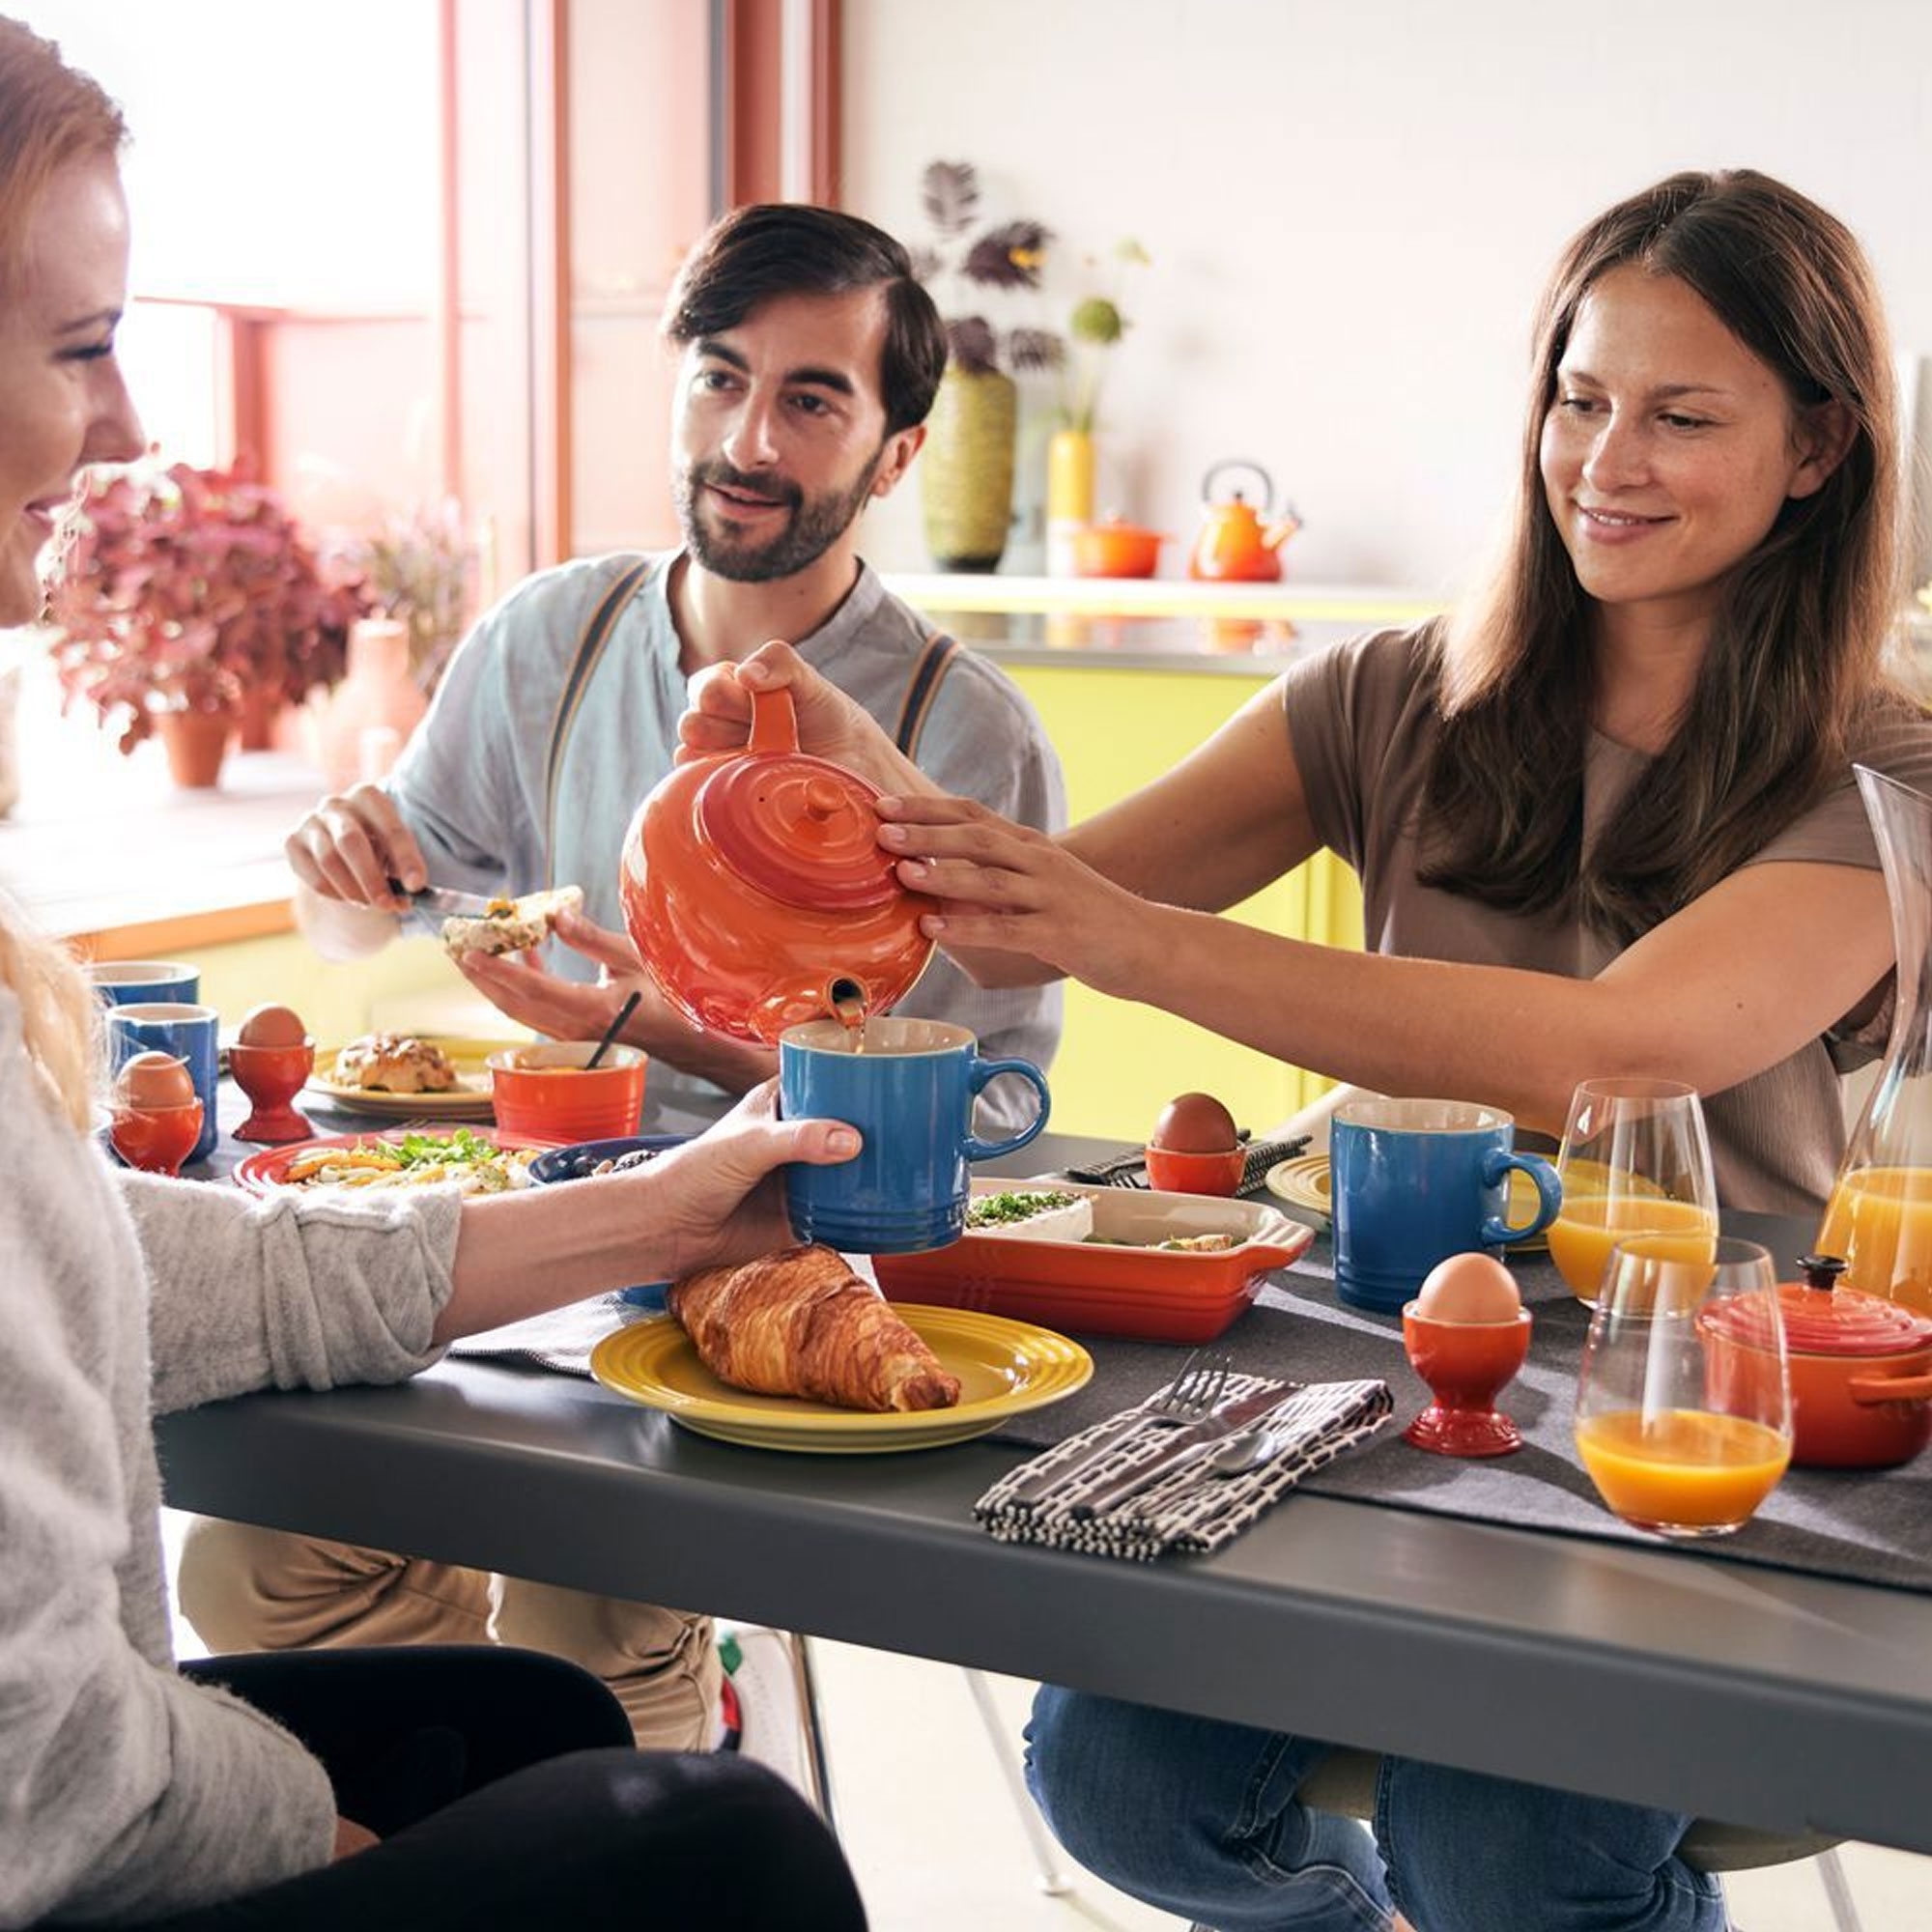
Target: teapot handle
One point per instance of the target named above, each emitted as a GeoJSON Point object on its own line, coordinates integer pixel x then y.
{"type": "Point", "coordinates": [774, 721]}
{"type": "Point", "coordinates": [1238, 463]}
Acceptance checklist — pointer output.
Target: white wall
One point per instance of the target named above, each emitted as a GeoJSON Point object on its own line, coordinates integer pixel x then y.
{"type": "Point", "coordinates": [1353, 204]}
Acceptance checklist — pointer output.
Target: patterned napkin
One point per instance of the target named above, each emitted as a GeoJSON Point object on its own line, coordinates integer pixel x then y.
{"type": "Point", "coordinates": [1191, 1509]}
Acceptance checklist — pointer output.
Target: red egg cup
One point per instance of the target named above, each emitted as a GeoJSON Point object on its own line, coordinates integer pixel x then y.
{"type": "Point", "coordinates": [156, 1139]}
{"type": "Point", "coordinates": [271, 1076]}
{"type": "Point", "coordinates": [1172, 1172]}
{"type": "Point", "coordinates": [1465, 1364]}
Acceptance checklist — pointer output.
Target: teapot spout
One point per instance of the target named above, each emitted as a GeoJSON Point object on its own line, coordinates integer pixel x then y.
{"type": "Point", "coordinates": [1276, 534]}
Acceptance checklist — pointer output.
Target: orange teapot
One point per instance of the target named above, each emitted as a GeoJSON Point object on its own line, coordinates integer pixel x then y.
{"type": "Point", "coordinates": [756, 893]}
{"type": "Point", "coordinates": [1238, 543]}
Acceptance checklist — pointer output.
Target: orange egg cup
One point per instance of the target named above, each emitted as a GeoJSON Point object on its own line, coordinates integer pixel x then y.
{"type": "Point", "coordinates": [1173, 1172]}
{"type": "Point", "coordinates": [1466, 1365]}
{"type": "Point", "coordinates": [271, 1076]}
{"type": "Point", "coordinates": [156, 1139]}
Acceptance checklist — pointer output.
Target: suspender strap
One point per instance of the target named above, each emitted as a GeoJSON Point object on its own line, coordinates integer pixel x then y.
{"type": "Point", "coordinates": [589, 649]}
{"type": "Point", "coordinates": [923, 689]}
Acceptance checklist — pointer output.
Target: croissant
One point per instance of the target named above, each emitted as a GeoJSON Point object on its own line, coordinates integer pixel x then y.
{"type": "Point", "coordinates": [800, 1322]}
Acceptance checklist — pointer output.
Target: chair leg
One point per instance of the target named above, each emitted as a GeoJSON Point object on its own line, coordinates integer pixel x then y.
{"type": "Point", "coordinates": [1051, 1876]}
{"type": "Point", "coordinates": [1839, 1889]}
{"type": "Point", "coordinates": [810, 1717]}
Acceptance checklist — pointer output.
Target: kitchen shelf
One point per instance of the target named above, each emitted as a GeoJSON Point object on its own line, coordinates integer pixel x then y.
{"type": "Point", "coordinates": [1285, 601]}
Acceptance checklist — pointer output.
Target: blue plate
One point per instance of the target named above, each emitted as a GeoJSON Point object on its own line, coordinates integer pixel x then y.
{"type": "Point", "coordinates": [581, 1161]}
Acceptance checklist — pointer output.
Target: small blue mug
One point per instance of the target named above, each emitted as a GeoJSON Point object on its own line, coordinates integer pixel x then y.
{"type": "Point", "coordinates": [190, 1033]}
{"type": "Point", "coordinates": [119, 981]}
{"type": "Point", "coordinates": [910, 1093]}
{"type": "Point", "coordinates": [1414, 1181]}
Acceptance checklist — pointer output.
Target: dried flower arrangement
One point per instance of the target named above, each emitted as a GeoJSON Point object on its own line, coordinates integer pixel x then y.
{"type": "Point", "coordinates": [191, 589]}
{"type": "Point", "coordinates": [421, 569]}
{"type": "Point", "coordinates": [1095, 326]}
{"type": "Point", "coordinates": [1006, 256]}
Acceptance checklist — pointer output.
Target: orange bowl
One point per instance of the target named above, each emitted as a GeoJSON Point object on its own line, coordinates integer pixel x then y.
{"type": "Point", "coordinates": [1175, 1173]}
{"type": "Point", "coordinates": [548, 1093]}
{"type": "Point", "coordinates": [1114, 549]}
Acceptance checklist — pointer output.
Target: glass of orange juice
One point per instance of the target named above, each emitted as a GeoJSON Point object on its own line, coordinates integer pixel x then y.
{"type": "Point", "coordinates": [1635, 1159]}
{"type": "Point", "coordinates": [1684, 1398]}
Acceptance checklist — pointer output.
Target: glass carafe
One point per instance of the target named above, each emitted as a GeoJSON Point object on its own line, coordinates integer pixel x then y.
{"type": "Point", "coordinates": [1880, 1214]}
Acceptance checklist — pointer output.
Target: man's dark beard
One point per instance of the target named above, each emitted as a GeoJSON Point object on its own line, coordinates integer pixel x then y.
{"type": "Point", "coordinates": [815, 525]}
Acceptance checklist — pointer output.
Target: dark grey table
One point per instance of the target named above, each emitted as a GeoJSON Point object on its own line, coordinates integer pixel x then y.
{"type": "Point", "coordinates": [1753, 1695]}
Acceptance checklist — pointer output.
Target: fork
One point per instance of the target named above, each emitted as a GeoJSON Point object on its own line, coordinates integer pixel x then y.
{"type": "Point", "coordinates": [1195, 1391]}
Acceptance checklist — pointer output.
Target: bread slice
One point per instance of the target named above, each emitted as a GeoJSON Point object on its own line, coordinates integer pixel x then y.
{"type": "Point", "coordinates": [511, 926]}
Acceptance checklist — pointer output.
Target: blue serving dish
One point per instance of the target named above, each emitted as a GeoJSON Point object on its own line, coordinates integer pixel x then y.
{"type": "Point", "coordinates": [581, 1161]}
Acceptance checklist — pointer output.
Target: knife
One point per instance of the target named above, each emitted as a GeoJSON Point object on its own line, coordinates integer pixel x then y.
{"type": "Point", "coordinates": [1187, 1444]}
{"type": "Point", "coordinates": [430, 905]}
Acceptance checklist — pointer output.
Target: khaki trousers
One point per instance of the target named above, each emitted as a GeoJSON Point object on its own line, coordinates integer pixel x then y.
{"type": "Point", "coordinates": [248, 1589]}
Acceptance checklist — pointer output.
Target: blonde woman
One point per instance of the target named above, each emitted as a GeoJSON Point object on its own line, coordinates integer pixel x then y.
{"type": "Point", "coordinates": [438, 1788]}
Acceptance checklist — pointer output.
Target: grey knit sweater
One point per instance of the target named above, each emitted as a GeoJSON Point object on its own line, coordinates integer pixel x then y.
{"type": "Point", "coordinates": [125, 1791]}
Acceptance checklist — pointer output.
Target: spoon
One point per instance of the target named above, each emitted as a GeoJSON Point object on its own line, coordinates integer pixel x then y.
{"type": "Point", "coordinates": [612, 1031]}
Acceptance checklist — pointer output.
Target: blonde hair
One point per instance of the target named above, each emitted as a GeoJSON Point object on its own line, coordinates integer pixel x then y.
{"type": "Point", "coordinates": [51, 117]}
{"type": "Point", "coordinates": [58, 1014]}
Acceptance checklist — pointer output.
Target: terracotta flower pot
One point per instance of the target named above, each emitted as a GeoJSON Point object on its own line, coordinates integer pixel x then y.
{"type": "Point", "coordinates": [196, 744]}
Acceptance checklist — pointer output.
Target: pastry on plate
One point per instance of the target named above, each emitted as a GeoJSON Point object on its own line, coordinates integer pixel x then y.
{"type": "Point", "coordinates": [394, 1062]}
{"type": "Point", "coordinates": [800, 1322]}
{"type": "Point", "coordinates": [511, 926]}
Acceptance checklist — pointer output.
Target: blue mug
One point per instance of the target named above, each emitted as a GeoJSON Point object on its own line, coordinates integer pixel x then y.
{"type": "Point", "coordinates": [1414, 1181]}
{"type": "Point", "coordinates": [120, 981]}
{"type": "Point", "coordinates": [190, 1033]}
{"type": "Point", "coordinates": [910, 1093]}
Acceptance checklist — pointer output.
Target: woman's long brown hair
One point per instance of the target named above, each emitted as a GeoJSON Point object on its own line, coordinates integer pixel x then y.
{"type": "Point", "coordinates": [1797, 652]}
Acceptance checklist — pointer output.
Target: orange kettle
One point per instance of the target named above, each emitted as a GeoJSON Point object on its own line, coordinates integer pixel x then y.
{"type": "Point", "coordinates": [1238, 543]}
{"type": "Point", "coordinates": [756, 893]}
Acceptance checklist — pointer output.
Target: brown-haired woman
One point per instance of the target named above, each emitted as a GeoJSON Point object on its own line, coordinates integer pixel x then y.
{"type": "Point", "coordinates": [1605, 822]}
{"type": "Point", "coordinates": [471, 1788]}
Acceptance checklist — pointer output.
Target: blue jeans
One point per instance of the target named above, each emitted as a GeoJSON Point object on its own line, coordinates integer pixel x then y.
{"type": "Point", "coordinates": [1199, 1818]}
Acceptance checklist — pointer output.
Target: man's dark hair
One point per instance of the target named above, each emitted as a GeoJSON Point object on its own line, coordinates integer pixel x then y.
{"type": "Point", "coordinates": [792, 249]}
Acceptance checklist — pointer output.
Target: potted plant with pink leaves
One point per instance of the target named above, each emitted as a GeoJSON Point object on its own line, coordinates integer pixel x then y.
{"type": "Point", "coordinates": [188, 599]}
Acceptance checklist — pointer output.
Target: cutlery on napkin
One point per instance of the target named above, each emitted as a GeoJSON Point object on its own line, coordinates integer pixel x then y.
{"type": "Point", "coordinates": [1190, 1507]}
{"type": "Point", "coordinates": [1184, 1446]}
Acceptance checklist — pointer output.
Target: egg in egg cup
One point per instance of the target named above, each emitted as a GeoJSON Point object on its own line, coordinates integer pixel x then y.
{"type": "Point", "coordinates": [1466, 1334]}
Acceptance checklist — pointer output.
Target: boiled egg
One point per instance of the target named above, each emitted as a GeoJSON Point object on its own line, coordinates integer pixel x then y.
{"type": "Point", "coordinates": [1195, 1123]}
{"type": "Point", "coordinates": [149, 1082]}
{"type": "Point", "coordinates": [1468, 1288]}
{"type": "Point", "coordinates": [271, 1026]}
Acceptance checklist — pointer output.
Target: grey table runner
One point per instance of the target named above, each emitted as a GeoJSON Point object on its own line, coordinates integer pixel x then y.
{"type": "Point", "coordinates": [1874, 1525]}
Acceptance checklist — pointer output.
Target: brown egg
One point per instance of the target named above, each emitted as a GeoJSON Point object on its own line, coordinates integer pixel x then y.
{"type": "Point", "coordinates": [1195, 1123]}
{"type": "Point", "coordinates": [1468, 1288]}
{"type": "Point", "coordinates": [150, 1081]}
{"type": "Point", "coordinates": [272, 1026]}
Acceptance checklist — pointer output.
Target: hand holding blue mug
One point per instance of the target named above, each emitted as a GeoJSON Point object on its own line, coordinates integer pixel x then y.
{"type": "Point", "coordinates": [908, 1086]}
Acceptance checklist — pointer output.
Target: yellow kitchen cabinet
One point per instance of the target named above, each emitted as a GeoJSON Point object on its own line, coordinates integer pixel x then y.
{"type": "Point", "coordinates": [1118, 1064]}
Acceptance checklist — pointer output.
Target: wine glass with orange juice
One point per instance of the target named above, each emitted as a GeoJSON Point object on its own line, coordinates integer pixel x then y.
{"type": "Point", "coordinates": [1684, 1397]}
{"type": "Point", "coordinates": [1635, 1159]}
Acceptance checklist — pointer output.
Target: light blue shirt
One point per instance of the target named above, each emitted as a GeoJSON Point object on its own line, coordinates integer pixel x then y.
{"type": "Point", "coordinates": [471, 783]}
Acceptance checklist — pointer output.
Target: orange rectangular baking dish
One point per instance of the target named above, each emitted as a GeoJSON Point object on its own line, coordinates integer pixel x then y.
{"type": "Point", "coordinates": [1118, 1283]}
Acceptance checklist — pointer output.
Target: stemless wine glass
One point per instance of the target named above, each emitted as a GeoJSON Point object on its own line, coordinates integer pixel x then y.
{"type": "Point", "coordinates": [1684, 1398]}
{"type": "Point", "coordinates": [1635, 1159]}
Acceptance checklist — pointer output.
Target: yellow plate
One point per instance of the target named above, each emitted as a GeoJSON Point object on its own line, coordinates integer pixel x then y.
{"type": "Point", "coordinates": [468, 1101]}
{"type": "Point", "coordinates": [1004, 1368]}
{"type": "Point", "coordinates": [1303, 1183]}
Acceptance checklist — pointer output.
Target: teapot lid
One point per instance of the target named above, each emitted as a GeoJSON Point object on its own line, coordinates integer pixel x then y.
{"type": "Point", "coordinates": [801, 830]}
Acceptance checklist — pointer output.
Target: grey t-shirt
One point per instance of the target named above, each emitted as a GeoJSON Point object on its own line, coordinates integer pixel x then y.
{"type": "Point", "coordinates": [1362, 718]}
{"type": "Point", "coordinates": [473, 783]}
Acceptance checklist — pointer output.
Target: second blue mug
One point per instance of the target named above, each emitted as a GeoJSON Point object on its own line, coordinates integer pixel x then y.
{"type": "Point", "coordinates": [910, 1093]}
{"type": "Point", "coordinates": [1414, 1181]}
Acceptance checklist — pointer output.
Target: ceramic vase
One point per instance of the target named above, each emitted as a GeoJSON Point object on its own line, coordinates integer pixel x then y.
{"type": "Point", "coordinates": [1069, 496]}
{"type": "Point", "coordinates": [196, 743]}
{"type": "Point", "coordinates": [375, 707]}
{"type": "Point", "coordinates": [966, 470]}
{"type": "Point", "coordinates": [256, 714]}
